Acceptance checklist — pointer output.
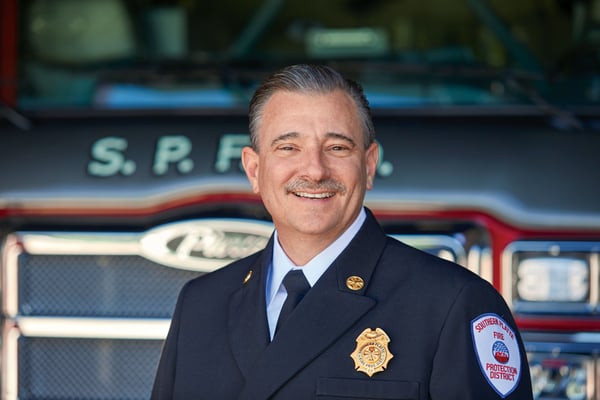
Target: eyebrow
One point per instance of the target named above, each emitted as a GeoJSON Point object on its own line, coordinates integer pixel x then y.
{"type": "Point", "coordinates": [335, 135]}
{"type": "Point", "coordinates": [283, 137]}
{"type": "Point", "coordinates": [330, 135]}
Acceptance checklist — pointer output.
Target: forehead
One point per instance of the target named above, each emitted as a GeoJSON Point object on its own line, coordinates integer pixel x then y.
{"type": "Point", "coordinates": [301, 111]}
{"type": "Point", "coordinates": [337, 96]}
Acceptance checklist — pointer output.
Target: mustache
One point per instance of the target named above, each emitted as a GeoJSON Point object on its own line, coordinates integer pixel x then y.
{"type": "Point", "coordinates": [326, 185]}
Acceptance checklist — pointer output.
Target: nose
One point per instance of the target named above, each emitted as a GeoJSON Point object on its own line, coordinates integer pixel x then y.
{"type": "Point", "coordinates": [316, 165]}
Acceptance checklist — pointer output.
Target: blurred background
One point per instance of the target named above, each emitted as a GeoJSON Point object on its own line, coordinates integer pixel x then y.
{"type": "Point", "coordinates": [121, 126]}
{"type": "Point", "coordinates": [128, 53]}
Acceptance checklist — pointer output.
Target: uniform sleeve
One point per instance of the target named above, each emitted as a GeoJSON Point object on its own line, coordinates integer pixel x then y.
{"type": "Point", "coordinates": [165, 375]}
{"type": "Point", "coordinates": [480, 354]}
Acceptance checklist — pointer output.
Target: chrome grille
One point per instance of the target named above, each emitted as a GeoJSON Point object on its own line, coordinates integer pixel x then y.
{"type": "Point", "coordinates": [120, 286]}
{"type": "Point", "coordinates": [59, 368]}
{"type": "Point", "coordinates": [85, 313]}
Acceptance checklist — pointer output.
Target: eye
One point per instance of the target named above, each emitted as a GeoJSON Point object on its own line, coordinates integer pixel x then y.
{"type": "Point", "coordinates": [285, 148]}
{"type": "Point", "coordinates": [339, 149]}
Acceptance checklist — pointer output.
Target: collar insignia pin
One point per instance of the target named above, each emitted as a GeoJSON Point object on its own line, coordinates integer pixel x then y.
{"type": "Point", "coordinates": [248, 276]}
{"type": "Point", "coordinates": [371, 354]}
{"type": "Point", "coordinates": [355, 283]}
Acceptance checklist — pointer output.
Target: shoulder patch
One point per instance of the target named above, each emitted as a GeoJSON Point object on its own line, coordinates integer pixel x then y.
{"type": "Point", "coordinates": [497, 351]}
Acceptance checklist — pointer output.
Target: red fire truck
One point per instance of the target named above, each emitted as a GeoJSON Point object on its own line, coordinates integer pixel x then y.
{"type": "Point", "coordinates": [121, 127]}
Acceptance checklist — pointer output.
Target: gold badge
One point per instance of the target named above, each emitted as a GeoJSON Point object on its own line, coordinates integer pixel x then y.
{"type": "Point", "coordinates": [248, 276]}
{"type": "Point", "coordinates": [371, 354]}
{"type": "Point", "coordinates": [355, 282]}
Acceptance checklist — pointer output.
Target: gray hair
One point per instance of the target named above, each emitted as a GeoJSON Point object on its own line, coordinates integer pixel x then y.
{"type": "Point", "coordinates": [304, 78]}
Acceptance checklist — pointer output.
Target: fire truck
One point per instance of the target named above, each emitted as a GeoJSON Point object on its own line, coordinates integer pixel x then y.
{"type": "Point", "coordinates": [121, 127]}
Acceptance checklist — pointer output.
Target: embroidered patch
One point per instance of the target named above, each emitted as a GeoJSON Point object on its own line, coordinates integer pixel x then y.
{"type": "Point", "coordinates": [497, 351]}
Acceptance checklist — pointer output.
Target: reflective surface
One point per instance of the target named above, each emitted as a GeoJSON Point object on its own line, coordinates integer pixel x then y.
{"type": "Point", "coordinates": [412, 53]}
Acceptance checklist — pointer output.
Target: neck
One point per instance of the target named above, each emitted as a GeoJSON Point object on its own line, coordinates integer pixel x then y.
{"type": "Point", "coordinates": [300, 250]}
{"type": "Point", "coordinates": [302, 246]}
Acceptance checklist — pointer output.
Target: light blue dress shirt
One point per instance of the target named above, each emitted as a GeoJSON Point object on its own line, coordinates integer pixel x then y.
{"type": "Point", "coordinates": [281, 265]}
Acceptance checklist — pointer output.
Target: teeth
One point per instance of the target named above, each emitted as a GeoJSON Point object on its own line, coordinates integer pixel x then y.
{"type": "Point", "coordinates": [314, 195]}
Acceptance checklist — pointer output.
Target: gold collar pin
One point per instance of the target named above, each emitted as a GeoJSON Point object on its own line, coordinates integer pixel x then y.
{"type": "Point", "coordinates": [355, 283]}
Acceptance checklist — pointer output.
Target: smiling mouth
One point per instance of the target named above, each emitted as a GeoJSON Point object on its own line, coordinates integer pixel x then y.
{"type": "Point", "coordinates": [317, 196]}
{"type": "Point", "coordinates": [321, 190]}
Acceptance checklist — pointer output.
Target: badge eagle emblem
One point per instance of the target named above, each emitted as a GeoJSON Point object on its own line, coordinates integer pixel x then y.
{"type": "Point", "coordinates": [372, 353]}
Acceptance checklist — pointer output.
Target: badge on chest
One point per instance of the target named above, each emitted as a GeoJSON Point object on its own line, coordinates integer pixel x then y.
{"type": "Point", "coordinates": [372, 353]}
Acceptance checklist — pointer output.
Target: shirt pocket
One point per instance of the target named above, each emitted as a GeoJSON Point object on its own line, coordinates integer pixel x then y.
{"type": "Point", "coordinates": [341, 388]}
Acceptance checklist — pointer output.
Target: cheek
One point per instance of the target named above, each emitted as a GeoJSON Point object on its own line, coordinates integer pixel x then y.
{"type": "Point", "coordinates": [270, 176]}
{"type": "Point", "coordinates": [356, 172]}
{"type": "Point", "coordinates": [285, 165]}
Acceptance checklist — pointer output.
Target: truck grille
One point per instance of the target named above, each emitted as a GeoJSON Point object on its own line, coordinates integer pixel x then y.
{"type": "Point", "coordinates": [70, 368]}
{"type": "Point", "coordinates": [119, 286]}
{"type": "Point", "coordinates": [85, 313]}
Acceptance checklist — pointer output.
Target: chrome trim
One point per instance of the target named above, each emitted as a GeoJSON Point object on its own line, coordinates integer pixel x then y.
{"type": "Point", "coordinates": [591, 382]}
{"type": "Point", "coordinates": [506, 273]}
{"type": "Point", "coordinates": [93, 328]}
{"type": "Point", "coordinates": [10, 275]}
{"type": "Point", "coordinates": [10, 360]}
{"type": "Point", "coordinates": [596, 394]}
{"type": "Point", "coordinates": [72, 243]}
{"type": "Point", "coordinates": [594, 271]}
{"type": "Point", "coordinates": [474, 259]}
{"type": "Point", "coordinates": [479, 260]}
{"type": "Point", "coordinates": [487, 265]}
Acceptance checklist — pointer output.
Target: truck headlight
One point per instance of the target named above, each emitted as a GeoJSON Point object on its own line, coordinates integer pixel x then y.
{"type": "Point", "coordinates": [560, 279]}
{"type": "Point", "coordinates": [551, 277]}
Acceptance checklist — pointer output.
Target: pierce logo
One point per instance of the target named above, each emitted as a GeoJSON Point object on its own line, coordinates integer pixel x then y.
{"type": "Point", "coordinates": [204, 244]}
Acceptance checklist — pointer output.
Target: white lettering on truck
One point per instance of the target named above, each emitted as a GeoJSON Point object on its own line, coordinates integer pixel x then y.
{"type": "Point", "coordinates": [230, 148]}
{"type": "Point", "coordinates": [173, 150]}
{"type": "Point", "coordinates": [109, 159]}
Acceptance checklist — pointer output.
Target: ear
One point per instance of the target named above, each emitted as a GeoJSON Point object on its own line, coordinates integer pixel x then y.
{"type": "Point", "coordinates": [372, 158]}
{"type": "Point", "coordinates": [250, 162]}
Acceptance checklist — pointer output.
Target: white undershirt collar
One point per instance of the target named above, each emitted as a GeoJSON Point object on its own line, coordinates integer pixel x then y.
{"type": "Point", "coordinates": [313, 270]}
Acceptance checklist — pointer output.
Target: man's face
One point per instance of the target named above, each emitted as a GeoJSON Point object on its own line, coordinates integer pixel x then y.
{"type": "Point", "coordinates": [311, 169]}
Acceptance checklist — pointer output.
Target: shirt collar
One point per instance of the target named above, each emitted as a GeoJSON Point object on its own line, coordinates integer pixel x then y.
{"type": "Point", "coordinates": [313, 270]}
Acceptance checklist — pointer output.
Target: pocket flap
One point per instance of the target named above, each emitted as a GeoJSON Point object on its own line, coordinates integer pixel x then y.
{"type": "Point", "coordinates": [367, 389]}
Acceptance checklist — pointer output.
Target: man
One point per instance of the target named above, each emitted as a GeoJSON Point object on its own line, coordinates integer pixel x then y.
{"type": "Point", "coordinates": [380, 320]}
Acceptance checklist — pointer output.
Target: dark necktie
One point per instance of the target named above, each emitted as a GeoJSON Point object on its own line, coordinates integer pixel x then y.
{"type": "Point", "coordinates": [296, 285]}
